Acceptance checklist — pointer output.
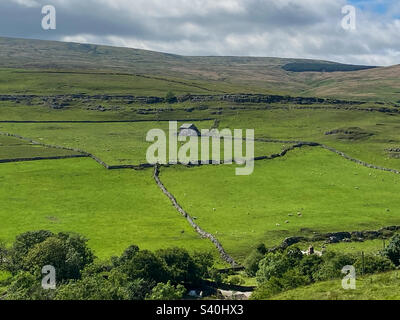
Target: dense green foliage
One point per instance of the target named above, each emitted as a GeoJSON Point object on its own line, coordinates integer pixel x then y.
{"type": "Point", "coordinates": [135, 275]}
{"type": "Point", "coordinates": [286, 270]}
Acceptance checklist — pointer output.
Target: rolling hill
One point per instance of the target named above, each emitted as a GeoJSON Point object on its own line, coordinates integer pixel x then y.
{"type": "Point", "coordinates": [215, 74]}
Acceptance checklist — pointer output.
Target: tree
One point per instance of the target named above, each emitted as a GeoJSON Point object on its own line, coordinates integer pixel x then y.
{"type": "Point", "coordinates": [204, 262]}
{"type": "Point", "coordinates": [170, 97]}
{"type": "Point", "coordinates": [374, 264]}
{"type": "Point", "coordinates": [166, 291]}
{"type": "Point", "coordinates": [261, 248]}
{"type": "Point", "coordinates": [180, 266]}
{"type": "Point", "coordinates": [104, 285]}
{"type": "Point", "coordinates": [89, 288]}
{"type": "Point", "coordinates": [274, 265]}
{"type": "Point", "coordinates": [251, 262]}
{"type": "Point", "coordinates": [332, 266]}
{"type": "Point", "coordinates": [147, 266]}
{"type": "Point", "coordinates": [67, 253]}
{"type": "Point", "coordinates": [309, 265]}
{"type": "Point", "coordinates": [392, 251]}
{"type": "Point", "coordinates": [25, 286]}
{"type": "Point", "coordinates": [22, 244]}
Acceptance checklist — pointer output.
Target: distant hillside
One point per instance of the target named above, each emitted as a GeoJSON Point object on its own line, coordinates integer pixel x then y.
{"type": "Point", "coordinates": [323, 67]}
{"type": "Point", "coordinates": [228, 74]}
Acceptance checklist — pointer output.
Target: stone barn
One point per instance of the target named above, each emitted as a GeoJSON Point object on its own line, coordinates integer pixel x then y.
{"type": "Point", "coordinates": [188, 130]}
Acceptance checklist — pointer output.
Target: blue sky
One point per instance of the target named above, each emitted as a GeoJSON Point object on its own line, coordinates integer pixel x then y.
{"type": "Point", "coordinates": [279, 28]}
{"type": "Point", "coordinates": [383, 7]}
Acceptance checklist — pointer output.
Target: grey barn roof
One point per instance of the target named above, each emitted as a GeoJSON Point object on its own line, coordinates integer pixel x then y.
{"type": "Point", "coordinates": [187, 126]}
{"type": "Point", "coordinates": [188, 129]}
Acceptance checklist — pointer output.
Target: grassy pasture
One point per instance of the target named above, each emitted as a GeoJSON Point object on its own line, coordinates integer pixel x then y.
{"type": "Point", "coordinates": [114, 209]}
{"type": "Point", "coordinates": [18, 81]}
{"type": "Point", "coordinates": [367, 246]}
{"type": "Point", "coordinates": [115, 143]}
{"type": "Point", "coordinates": [333, 194]}
{"type": "Point", "coordinates": [311, 125]}
{"type": "Point", "coordinates": [385, 286]}
{"type": "Point", "coordinates": [14, 148]}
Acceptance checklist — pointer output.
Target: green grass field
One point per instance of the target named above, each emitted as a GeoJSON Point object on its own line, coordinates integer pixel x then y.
{"type": "Point", "coordinates": [113, 209]}
{"type": "Point", "coordinates": [14, 148]}
{"type": "Point", "coordinates": [114, 143]}
{"type": "Point", "coordinates": [333, 194]}
{"type": "Point", "coordinates": [117, 208]}
{"type": "Point", "coordinates": [385, 286]}
{"type": "Point", "coordinates": [311, 125]}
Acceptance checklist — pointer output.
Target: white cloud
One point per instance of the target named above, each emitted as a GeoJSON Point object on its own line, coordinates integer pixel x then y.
{"type": "Point", "coordinates": [283, 28]}
{"type": "Point", "coordinates": [27, 3]}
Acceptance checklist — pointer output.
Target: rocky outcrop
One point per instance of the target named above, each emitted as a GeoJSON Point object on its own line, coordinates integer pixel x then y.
{"type": "Point", "coordinates": [336, 237]}
{"type": "Point", "coordinates": [234, 98]}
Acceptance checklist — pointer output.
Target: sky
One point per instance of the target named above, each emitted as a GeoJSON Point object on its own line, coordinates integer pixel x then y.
{"type": "Point", "coordinates": [267, 28]}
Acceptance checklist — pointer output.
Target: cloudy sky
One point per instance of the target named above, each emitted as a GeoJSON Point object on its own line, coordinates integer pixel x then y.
{"type": "Point", "coordinates": [272, 28]}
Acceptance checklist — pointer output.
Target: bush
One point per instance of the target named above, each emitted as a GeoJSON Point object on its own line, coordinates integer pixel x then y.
{"type": "Point", "coordinates": [22, 244]}
{"type": "Point", "coordinates": [251, 263]}
{"type": "Point", "coordinates": [261, 248]}
{"type": "Point", "coordinates": [374, 264]}
{"type": "Point", "coordinates": [166, 291]}
{"type": "Point", "coordinates": [289, 280]}
{"type": "Point", "coordinates": [236, 281]}
{"type": "Point", "coordinates": [170, 97]}
{"type": "Point", "coordinates": [309, 265]}
{"type": "Point", "coordinates": [332, 265]}
{"type": "Point", "coordinates": [267, 289]}
{"type": "Point", "coordinates": [67, 253]}
{"type": "Point", "coordinates": [25, 286]}
{"type": "Point", "coordinates": [392, 251]}
{"type": "Point", "coordinates": [147, 266]}
{"type": "Point", "coordinates": [204, 262]}
{"type": "Point", "coordinates": [273, 265]}
{"type": "Point", "coordinates": [180, 265]}
{"type": "Point", "coordinates": [217, 276]}
{"type": "Point", "coordinates": [276, 264]}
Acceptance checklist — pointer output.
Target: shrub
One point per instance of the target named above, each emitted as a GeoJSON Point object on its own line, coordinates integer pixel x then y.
{"type": "Point", "coordinates": [166, 291]}
{"type": "Point", "coordinates": [374, 264]}
{"type": "Point", "coordinates": [147, 266]}
{"type": "Point", "coordinates": [236, 281]}
{"type": "Point", "coordinates": [309, 265]}
{"type": "Point", "coordinates": [22, 244]}
{"type": "Point", "coordinates": [392, 251]}
{"type": "Point", "coordinates": [25, 286]}
{"type": "Point", "coordinates": [332, 265]}
{"type": "Point", "coordinates": [251, 263]}
{"type": "Point", "coordinates": [170, 97]}
{"type": "Point", "coordinates": [179, 265]}
{"type": "Point", "coordinates": [273, 265]}
{"type": "Point", "coordinates": [267, 289]}
{"type": "Point", "coordinates": [67, 253]}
